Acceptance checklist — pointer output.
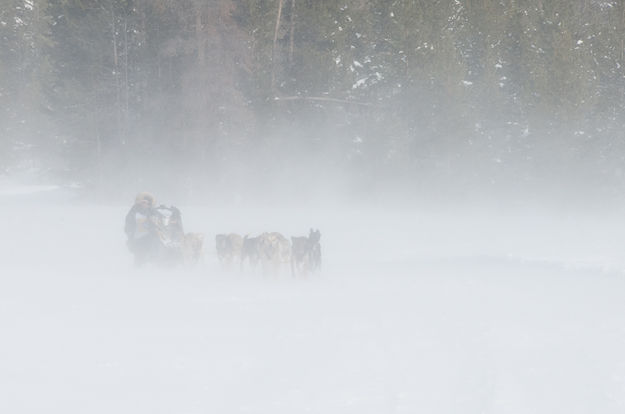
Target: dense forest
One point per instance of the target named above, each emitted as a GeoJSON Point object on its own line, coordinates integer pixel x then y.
{"type": "Point", "coordinates": [218, 96]}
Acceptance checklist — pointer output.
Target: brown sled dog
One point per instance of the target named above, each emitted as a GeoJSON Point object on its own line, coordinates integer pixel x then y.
{"type": "Point", "coordinates": [274, 251]}
{"type": "Point", "coordinates": [228, 247]}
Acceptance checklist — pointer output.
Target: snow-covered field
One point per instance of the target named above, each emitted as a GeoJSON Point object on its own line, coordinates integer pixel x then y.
{"type": "Point", "coordinates": [415, 312]}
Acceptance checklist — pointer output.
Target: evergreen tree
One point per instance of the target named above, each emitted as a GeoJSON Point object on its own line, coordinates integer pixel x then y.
{"type": "Point", "coordinates": [26, 77]}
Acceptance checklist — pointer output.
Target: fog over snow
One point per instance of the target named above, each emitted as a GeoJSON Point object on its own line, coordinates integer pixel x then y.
{"type": "Point", "coordinates": [463, 161]}
{"type": "Point", "coordinates": [416, 309]}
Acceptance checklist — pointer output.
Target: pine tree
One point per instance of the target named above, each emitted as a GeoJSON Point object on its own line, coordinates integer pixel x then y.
{"type": "Point", "coordinates": [26, 76]}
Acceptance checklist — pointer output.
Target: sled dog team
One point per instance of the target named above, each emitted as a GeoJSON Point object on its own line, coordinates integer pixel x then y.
{"type": "Point", "coordinates": [271, 251]}
{"type": "Point", "coordinates": [155, 234]}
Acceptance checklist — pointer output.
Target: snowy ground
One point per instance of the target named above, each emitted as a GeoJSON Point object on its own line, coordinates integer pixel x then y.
{"type": "Point", "coordinates": [414, 312]}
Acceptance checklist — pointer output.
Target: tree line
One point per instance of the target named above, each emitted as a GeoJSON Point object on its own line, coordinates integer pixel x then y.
{"type": "Point", "coordinates": [197, 90]}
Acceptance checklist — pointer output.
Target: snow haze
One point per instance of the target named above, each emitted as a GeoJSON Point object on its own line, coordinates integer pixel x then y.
{"type": "Point", "coordinates": [464, 162]}
{"type": "Point", "coordinates": [415, 310]}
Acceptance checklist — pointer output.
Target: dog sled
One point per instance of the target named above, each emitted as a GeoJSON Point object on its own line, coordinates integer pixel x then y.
{"type": "Point", "coordinates": [156, 235]}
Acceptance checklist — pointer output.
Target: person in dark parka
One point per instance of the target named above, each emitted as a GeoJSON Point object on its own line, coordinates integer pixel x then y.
{"type": "Point", "coordinates": [141, 228]}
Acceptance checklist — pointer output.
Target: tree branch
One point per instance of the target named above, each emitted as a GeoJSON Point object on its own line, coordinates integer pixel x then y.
{"type": "Point", "coordinates": [324, 99]}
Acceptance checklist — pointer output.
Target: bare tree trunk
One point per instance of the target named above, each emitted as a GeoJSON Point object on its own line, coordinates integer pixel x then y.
{"type": "Point", "coordinates": [196, 140]}
{"type": "Point", "coordinates": [36, 26]}
{"type": "Point", "coordinates": [273, 48]}
{"type": "Point", "coordinates": [622, 49]}
{"type": "Point", "coordinates": [292, 32]}
{"type": "Point", "coordinates": [99, 158]}
{"type": "Point", "coordinates": [126, 83]}
{"type": "Point", "coordinates": [116, 75]}
{"type": "Point", "coordinates": [201, 53]}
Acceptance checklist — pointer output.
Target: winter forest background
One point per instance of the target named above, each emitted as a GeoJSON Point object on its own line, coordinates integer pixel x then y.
{"type": "Point", "coordinates": [247, 97]}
